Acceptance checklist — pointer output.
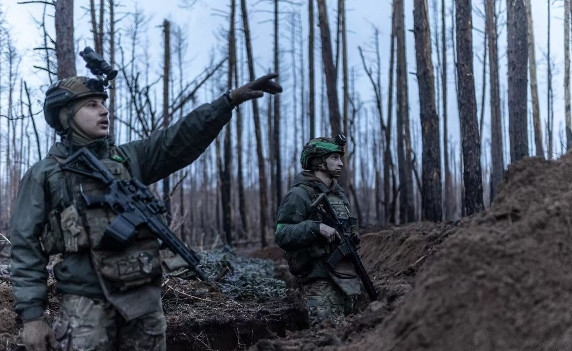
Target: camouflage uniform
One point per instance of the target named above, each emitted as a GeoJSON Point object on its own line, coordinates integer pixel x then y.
{"type": "Point", "coordinates": [329, 293]}
{"type": "Point", "coordinates": [111, 300]}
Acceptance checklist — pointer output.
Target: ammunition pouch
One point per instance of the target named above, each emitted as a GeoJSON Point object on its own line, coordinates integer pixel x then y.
{"type": "Point", "coordinates": [51, 239]}
{"type": "Point", "coordinates": [137, 265]}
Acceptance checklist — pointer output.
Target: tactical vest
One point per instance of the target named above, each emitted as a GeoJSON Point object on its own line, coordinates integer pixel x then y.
{"type": "Point", "coordinates": [73, 227]}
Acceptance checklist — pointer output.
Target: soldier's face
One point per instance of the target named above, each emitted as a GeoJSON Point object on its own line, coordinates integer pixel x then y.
{"type": "Point", "coordinates": [334, 165]}
{"type": "Point", "coordinates": [93, 118]}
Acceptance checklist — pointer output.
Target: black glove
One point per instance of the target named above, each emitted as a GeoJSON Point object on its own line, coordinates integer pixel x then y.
{"type": "Point", "coordinates": [254, 89]}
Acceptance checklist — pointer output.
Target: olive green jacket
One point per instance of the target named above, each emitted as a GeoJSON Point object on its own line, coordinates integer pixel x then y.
{"type": "Point", "coordinates": [298, 229]}
{"type": "Point", "coordinates": [148, 160]}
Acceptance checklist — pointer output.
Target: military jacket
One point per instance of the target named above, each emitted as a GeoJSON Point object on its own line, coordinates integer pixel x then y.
{"type": "Point", "coordinates": [44, 188]}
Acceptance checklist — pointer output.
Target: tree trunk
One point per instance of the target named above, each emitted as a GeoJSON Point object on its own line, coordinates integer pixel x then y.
{"type": "Point", "coordinates": [256, 118]}
{"type": "Point", "coordinates": [534, 84]}
{"type": "Point", "coordinates": [431, 163]}
{"type": "Point", "coordinates": [448, 193]}
{"type": "Point", "coordinates": [497, 162]}
{"type": "Point", "coordinates": [226, 195]}
{"type": "Point", "coordinates": [406, 206]}
{"type": "Point", "coordinates": [517, 55]}
{"type": "Point", "coordinates": [277, 145]}
{"type": "Point", "coordinates": [567, 130]}
{"type": "Point", "coordinates": [549, 92]}
{"type": "Point", "coordinates": [329, 69]}
{"type": "Point", "coordinates": [111, 105]}
{"type": "Point", "coordinates": [240, 162]}
{"type": "Point", "coordinates": [65, 51]}
{"type": "Point", "coordinates": [166, 116]}
{"type": "Point", "coordinates": [473, 197]}
{"type": "Point", "coordinates": [311, 73]}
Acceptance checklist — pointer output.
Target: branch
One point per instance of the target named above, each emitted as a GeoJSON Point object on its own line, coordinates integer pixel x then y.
{"type": "Point", "coordinates": [200, 84]}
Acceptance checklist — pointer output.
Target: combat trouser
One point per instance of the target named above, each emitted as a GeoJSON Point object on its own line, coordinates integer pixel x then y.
{"type": "Point", "coordinates": [326, 301]}
{"type": "Point", "coordinates": [93, 324]}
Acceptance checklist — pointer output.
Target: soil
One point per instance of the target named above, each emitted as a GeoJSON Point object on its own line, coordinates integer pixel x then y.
{"type": "Point", "coordinates": [496, 280]}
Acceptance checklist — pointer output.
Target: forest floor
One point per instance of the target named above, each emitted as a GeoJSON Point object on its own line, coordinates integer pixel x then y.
{"type": "Point", "coordinates": [496, 280]}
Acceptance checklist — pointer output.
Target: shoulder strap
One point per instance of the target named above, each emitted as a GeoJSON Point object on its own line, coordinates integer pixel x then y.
{"type": "Point", "coordinates": [311, 191]}
{"type": "Point", "coordinates": [67, 194]}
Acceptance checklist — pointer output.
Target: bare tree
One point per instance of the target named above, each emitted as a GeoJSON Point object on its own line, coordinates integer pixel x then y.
{"type": "Point", "coordinates": [431, 163]}
{"type": "Point", "coordinates": [497, 166]}
{"type": "Point", "coordinates": [473, 199]}
{"type": "Point", "coordinates": [225, 172]}
{"type": "Point", "coordinates": [112, 96]}
{"type": "Point", "coordinates": [517, 55]}
{"type": "Point", "coordinates": [533, 83]}
{"type": "Point", "coordinates": [567, 73]}
{"type": "Point", "coordinates": [448, 193]}
{"type": "Point", "coordinates": [329, 69]}
{"type": "Point", "coordinates": [65, 51]}
{"type": "Point", "coordinates": [257, 132]}
{"type": "Point", "coordinates": [166, 114]}
{"type": "Point", "coordinates": [277, 160]}
{"type": "Point", "coordinates": [311, 73]}
{"type": "Point", "coordinates": [406, 201]}
{"type": "Point", "coordinates": [549, 91]}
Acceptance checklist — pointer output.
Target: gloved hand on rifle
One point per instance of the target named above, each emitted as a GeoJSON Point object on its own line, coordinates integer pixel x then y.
{"type": "Point", "coordinates": [38, 336]}
{"type": "Point", "coordinates": [329, 233]}
{"type": "Point", "coordinates": [254, 90]}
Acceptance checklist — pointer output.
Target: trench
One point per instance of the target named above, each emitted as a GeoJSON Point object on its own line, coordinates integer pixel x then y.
{"type": "Point", "coordinates": [237, 329]}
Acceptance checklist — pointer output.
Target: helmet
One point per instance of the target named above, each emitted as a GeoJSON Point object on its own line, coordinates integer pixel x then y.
{"type": "Point", "coordinates": [320, 147]}
{"type": "Point", "coordinates": [65, 91]}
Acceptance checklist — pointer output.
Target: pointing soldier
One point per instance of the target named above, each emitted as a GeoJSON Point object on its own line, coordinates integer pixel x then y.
{"type": "Point", "coordinates": [111, 298]}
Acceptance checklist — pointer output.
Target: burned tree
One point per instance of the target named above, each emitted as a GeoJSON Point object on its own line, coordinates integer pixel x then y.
{"type": "Point", "coordinates": [406, 206]}
{"type": "Point", "coordinates": [65, 51]}
{"type": "Point", "coordinates": [329, 68]}
{"type": "Point", "coordinates": [495, 103]}
{"type": "Point", "coordinates": [473, 199]}
{"type": "Point", "coordinates": [257, 131]}
{"type": "Point", "coordinates": [517, 55]}
{"type": "Point", "coordinates": [431, 167]}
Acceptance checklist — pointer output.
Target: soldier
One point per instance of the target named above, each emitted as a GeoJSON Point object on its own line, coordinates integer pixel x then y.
{"type": "Point", "coordinates": [329, 292]}
{"type": "Point", "coordinates": [111, 299]}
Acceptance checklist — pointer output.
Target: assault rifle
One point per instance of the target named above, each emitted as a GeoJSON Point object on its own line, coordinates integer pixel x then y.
{"type": "Point", "coordinates": [134, 206]}
{"type": "Point", "coordinates": [346, 246]}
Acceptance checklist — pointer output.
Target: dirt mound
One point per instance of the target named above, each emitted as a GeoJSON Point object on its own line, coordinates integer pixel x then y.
{"type": "Point", "coordinates": [393, 257]}
{"type": "Point", "coordinates": [502, 281]}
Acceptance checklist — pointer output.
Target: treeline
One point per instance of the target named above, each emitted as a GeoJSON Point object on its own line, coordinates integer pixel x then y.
{"type": "Point", "coordinates": [404, 163]}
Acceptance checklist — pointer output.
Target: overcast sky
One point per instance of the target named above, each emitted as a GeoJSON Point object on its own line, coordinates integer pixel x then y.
{"type": "Point", "coordinates": [204, 20]}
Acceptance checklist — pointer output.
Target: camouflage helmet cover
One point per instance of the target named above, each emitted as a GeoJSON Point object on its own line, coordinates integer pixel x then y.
{"type": "Point", "coordinates": [320, 147]}
{"type": "Point", "coordinates": [65, 91]}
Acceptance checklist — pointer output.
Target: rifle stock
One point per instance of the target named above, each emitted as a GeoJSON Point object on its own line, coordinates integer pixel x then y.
{"type": "Point", "coordinates": [134, 205]}
{"type": "Point", "coordinates": [346, 247]}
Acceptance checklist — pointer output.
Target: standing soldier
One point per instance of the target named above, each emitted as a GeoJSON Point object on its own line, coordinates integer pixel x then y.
{"type": "Point", "coordinates": [111, 296]}
{"type": "Point", "coordinates": [309, 242]}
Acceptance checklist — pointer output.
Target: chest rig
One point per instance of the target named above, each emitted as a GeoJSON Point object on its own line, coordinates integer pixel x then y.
{"type": "Point", "coordinates": [75, 227]}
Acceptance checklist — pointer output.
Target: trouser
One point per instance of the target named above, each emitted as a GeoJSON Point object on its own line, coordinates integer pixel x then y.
{"type": "Point", "coordinates": [93, 324]}
{"type": "Point", "coordinates": [326, 301]}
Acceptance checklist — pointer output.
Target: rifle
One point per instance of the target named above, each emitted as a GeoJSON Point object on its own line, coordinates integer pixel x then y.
{"type": "Point", "coordinates": [346, 246]}
{"type": "Point", "coordinates": [134, 205]}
